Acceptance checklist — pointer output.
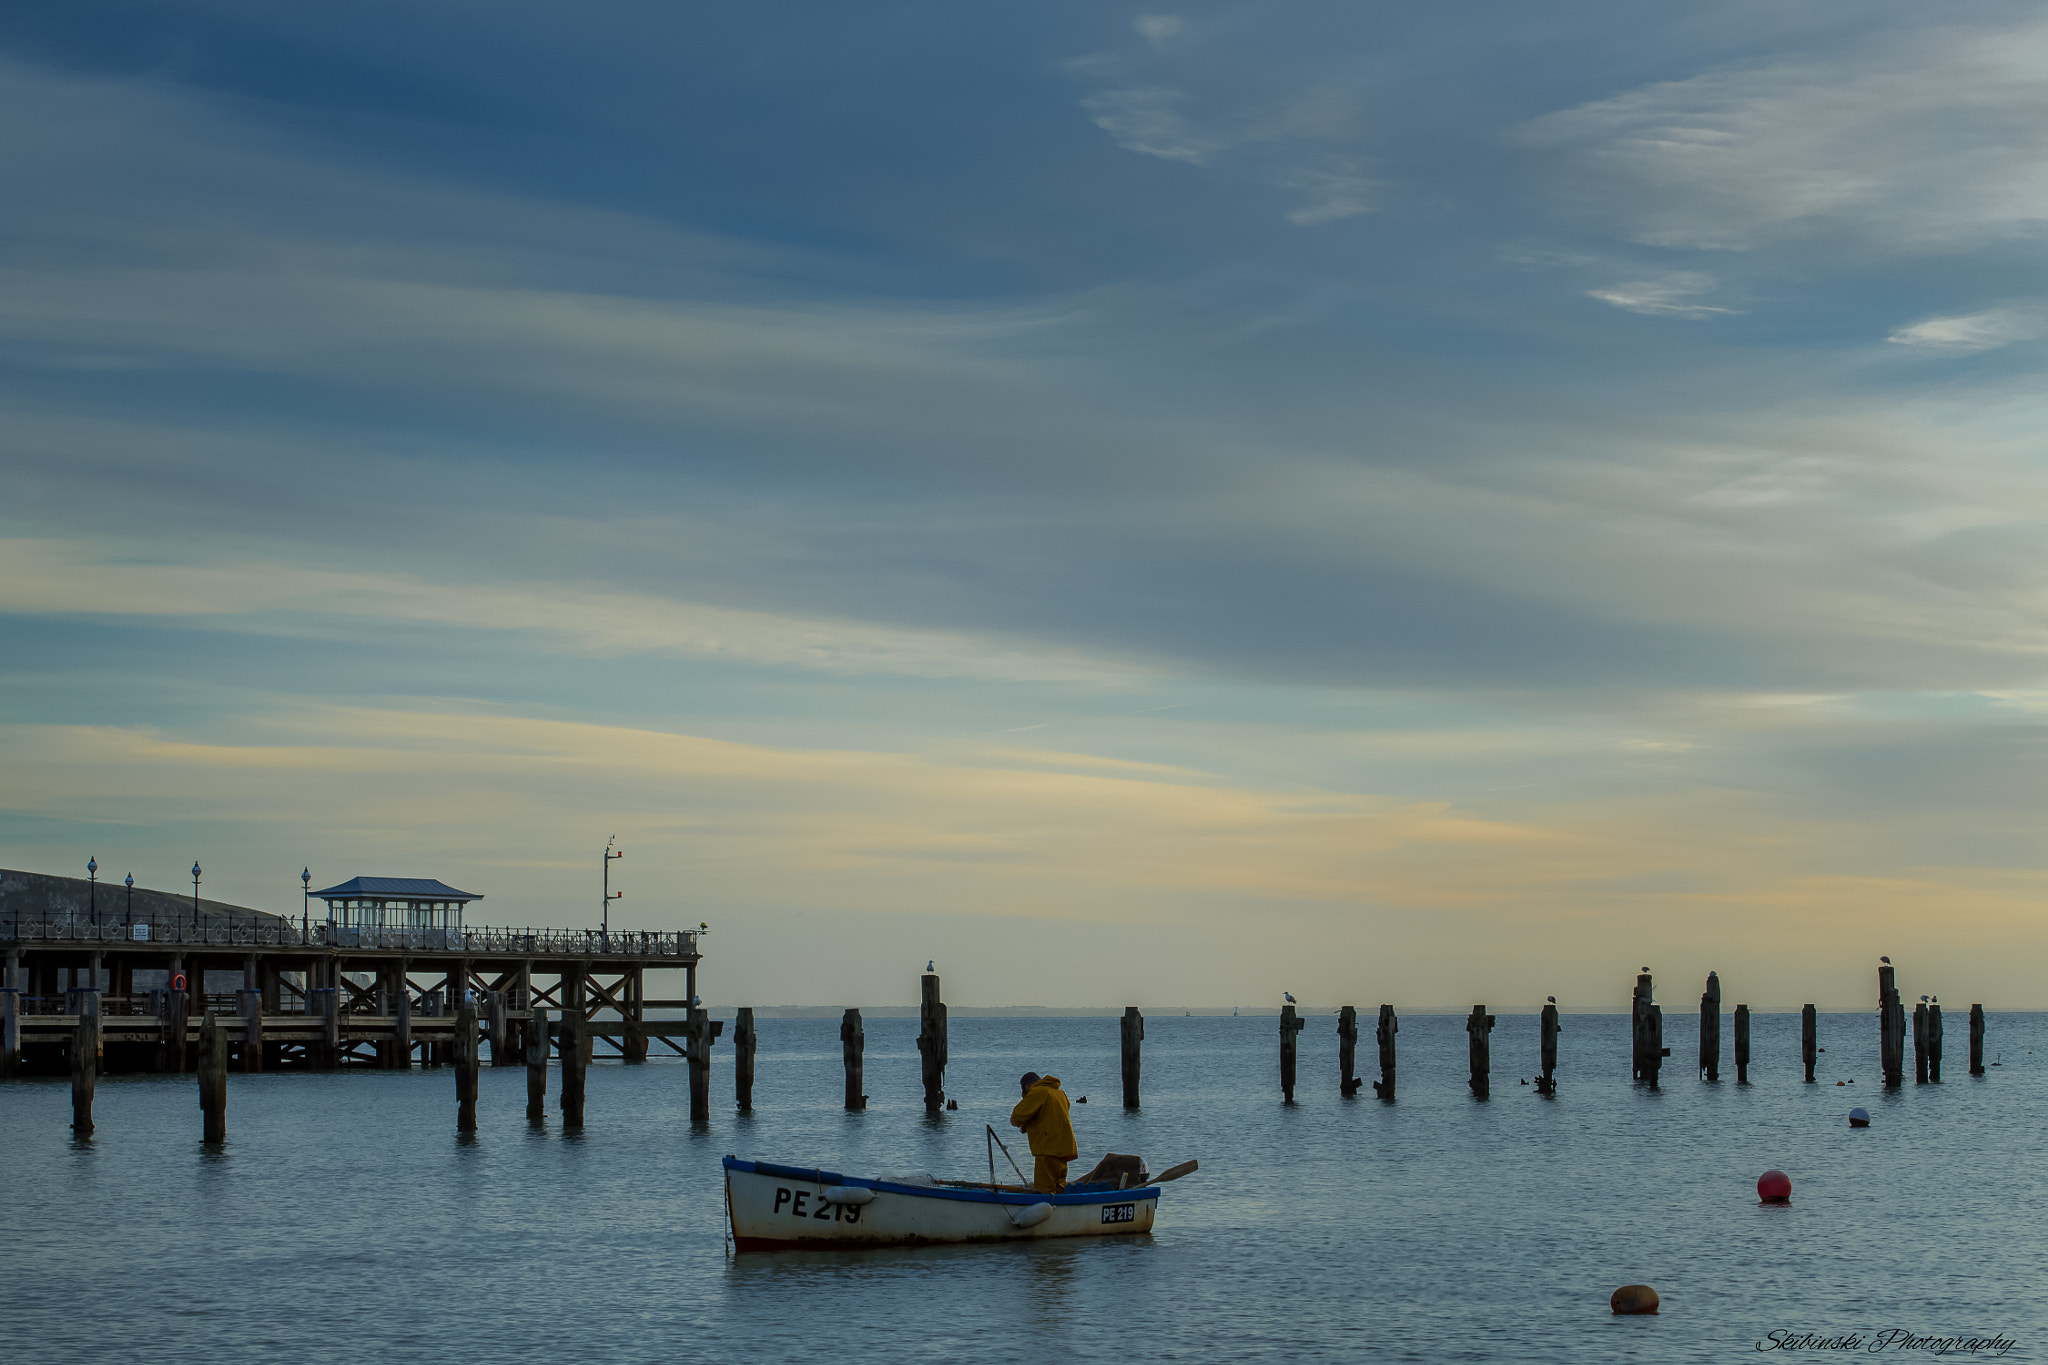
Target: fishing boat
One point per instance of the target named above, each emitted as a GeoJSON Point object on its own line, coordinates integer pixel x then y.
{"type": "Point", "coordinates": [774, 1208]}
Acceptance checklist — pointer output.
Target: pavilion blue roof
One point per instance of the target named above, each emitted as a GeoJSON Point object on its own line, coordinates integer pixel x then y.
{"type": "Point", "coordinates": [398, 888]}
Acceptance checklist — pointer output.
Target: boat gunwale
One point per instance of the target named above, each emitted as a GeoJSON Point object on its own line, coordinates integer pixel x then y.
{"type": "Point", "coordinates": [819, 1176]}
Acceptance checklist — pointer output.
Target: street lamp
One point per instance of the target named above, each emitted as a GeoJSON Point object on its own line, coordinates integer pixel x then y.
{"type": "Point", "coordinates": [605, 925]}
{"type": "Point", "coordinates": [92, 891]}
{"type": "Point", "coordinates": [128, 913]}
{"type": "Point", "coordinates": [306, 905]}
{"type": "Point", "coordinates": [195, 895]}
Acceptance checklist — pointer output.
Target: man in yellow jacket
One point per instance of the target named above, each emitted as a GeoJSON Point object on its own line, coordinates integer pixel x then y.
{"type": "Point", "coordinates": [1042, 1114]}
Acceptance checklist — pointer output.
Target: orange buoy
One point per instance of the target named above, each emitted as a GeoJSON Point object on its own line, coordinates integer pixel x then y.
{"type": "Point", "coordinates": [1633, 1298]}
{"type": "Point", "coordinates": [1774, 1187]}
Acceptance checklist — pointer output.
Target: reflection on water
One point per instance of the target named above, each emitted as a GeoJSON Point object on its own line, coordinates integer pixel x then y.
{"type": "Point", "coordinates": [345, 1219]}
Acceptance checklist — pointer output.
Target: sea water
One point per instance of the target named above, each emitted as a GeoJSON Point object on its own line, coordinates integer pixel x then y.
{"type": "Point", "coordinates": [346, 1220]}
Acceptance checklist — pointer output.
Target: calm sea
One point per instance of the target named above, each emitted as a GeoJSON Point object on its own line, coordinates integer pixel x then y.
{"type": "Point", "coordinates": [346, 1221]}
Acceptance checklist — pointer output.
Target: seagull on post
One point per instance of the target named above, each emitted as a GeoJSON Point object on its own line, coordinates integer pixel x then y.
{"type": "Point", "coordinates": [1288, 996]}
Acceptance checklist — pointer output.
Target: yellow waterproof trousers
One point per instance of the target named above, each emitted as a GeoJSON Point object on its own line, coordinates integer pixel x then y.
{"type": "Point", "coordinates": [1050, 1175]}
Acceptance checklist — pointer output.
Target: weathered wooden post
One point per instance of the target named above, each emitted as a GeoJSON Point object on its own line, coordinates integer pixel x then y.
{"type": "Point", "coordinates": [1891, 1027]}
{"type": "Point", "coordinates": [327, 999]}
{"type": "Point", "coordinates": [1384, 1034]}
{"type": "Point", "coordinates": [1478, 1025]}
{"type": "Point", "coordinates": [537, 1066]}
{"type": "Point", "coordinates": [85, 1059]}
{"type": "Point", "coordinates": [467, 1061]}
{"type": "Point", "coordinates": [1648, 1027]}
{"type": "Point", "coordinates": [10, 1032]}
{"type": "Point", "coordinates": [1710, 1029]}
{"type": "Point", "coordinates": [213, 1079]}
{"type": "Point", "coordinates": [743, 1058]}
{"type": "Point", "coordinates": [572, 1042]}
{"type": "Point", "coordinates": [851, 1040]}
{"type": "Point", "coordinates": [500, 1028]}
{"type": "Point", "coordinates": [1809, 1038]}
{"type": "Point", "coordinates": [1132, 1029]}
{"type": "Point", "coordinates": [1546, 1084]}
{"type": "Point", "coordinates": [931, 1043]}
{"type": "Point", "coordinates": [633, 1045]}
{"type": "Point", "coordinates": [249, 1005]}
{"type": "Point", "coordinates": [1920, 1043]}
{"type": "Point", "coordinates": [401, 1028]}
{"type": "Point", "coordinates": [704, 1031]}
{"type": "Point", "coordinates": [1290, 1027]}
{"type": "Point", "coordinates": [1976, 1040]}
{"type": "Point", "coordinates": [1934, 1042]}
{"type": "Point", "coordinates": [1348, 1083]}
{"type": "Point", "coordinates": [1742, 1045]}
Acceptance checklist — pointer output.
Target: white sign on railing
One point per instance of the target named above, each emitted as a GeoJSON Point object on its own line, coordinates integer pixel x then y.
{"type": "Point", "coordinates": [139, 932]}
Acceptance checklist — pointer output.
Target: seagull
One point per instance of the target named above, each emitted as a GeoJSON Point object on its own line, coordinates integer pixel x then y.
{"type": "Point", "coordinates": [1551, 998]}
{"type": "Point", "coordinates": [928, 964]}
{"type": "Point", "coordinates": [1289, 996]}
{"type": "Point", "coordinates": [1923, 999]}
{"type": "Point", "coordinates": [1886, 961]}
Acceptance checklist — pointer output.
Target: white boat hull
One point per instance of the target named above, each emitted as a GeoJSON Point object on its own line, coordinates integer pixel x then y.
{"type": "Point", "coordinates": [775, 1207]}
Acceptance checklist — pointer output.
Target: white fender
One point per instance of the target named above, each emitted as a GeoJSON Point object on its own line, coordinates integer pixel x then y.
{"type": "Point", "coordinates": [1031, 1216]}
{"type": "Point", "coordinates": [854, 1194]}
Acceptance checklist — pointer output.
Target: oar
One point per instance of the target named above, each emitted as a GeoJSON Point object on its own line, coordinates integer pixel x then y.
{"type": "Point", "coordinates": [1175, 1172]}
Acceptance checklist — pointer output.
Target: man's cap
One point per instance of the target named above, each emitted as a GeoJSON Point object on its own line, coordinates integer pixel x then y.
{"type": "Point", "coordinates": [1029, 1078]}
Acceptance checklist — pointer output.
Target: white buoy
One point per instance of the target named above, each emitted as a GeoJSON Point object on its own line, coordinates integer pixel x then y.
{"type": "Point", "coordinates": [1032, 1216]}
{"type": "Point", "coordinates": [848, 1194]}
{"type": "Point", "coordinates": [1859, 1117]}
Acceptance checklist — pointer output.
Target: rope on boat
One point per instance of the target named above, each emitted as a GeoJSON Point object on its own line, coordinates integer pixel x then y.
{"type": "Point", "coordinates": [994, 1142]}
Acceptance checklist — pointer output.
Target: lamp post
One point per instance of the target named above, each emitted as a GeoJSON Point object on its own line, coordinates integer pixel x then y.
{"type": "Point", "coordinates": [128, 911]}
{"type": "Point", "coordinates": [92, 893]}
{"type": "Point", "coordinates": [305, 904]}
{"type": "Point", "coordinates": [195, 894]}
{"type": "Point", "coordinates": [605, 923]}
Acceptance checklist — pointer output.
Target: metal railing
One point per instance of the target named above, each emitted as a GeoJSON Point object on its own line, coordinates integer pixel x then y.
{"type": "Point", "coordinates": [281, 933]}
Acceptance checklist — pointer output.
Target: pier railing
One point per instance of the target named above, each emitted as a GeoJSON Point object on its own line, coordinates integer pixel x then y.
{"type": "Point", "coordinates": [281, 933]}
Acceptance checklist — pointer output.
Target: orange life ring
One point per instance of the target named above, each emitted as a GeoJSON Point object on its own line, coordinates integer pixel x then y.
{"type": "Point", "coordinates": [178, 982]}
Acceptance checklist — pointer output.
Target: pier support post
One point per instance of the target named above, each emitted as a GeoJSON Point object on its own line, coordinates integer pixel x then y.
{"type": "Point", "coordinates": [1546, 1084]}
{"type": "Point", "coordinates": [931, 1042]}
{"type": "Point", "coordinates": [852, 1039]}
{"type": "Point", "coordinates": [401, 1026]}
{"type": "Point", "coordinates": [1290, 1030]}
{"type": "Point", "coordinates": [10, 1030]}
{"type": "Point", "coordinates": [213, 1080]}
{"type": "Point", "coordinates": [1478, 1027]}
{"type": "Point", "coordinates": [635, 1040]}
{"type": "Point", "coordinates": [1934, 1042]}
{"type": "Point", "coordinates": [1976, 1040]}
{"type": "Point", "coordinates": [249, 1004]}
{"type": "Point", "coordinates": [743, 1058]}
{"type": "Point", "coordinates": [574, 1038]}
{"type": "Point", "coordinates": [1920, 1043]}
{"type": "Point", "coordinates": [1710, 1029]}
{"type": "Point", "coordinates": [85, 1059]}
{"type": "Point", "coordinates": [1384, 1035]}
{"type": "Point", "coordinates": [1131, 1036]}
{"type": "Point", "coordinates": [704, 1031]}
{"type": "Point", "coordinates": [1648, 1029]}
{"type": "Point", "coordinates": [466, 1064]}
{"type": "Point", "coordinates": [1742, 1045]}
{"type": "Point", "coordinates": [500, 1027]}
{"type": "Point", "coordinates": [537, 1066]}
{"type": "Point", "coordinates": [1809, 1038]}
{"type": "Point", "coordinates": [326, 1000]}
{"type": "Point", "coordinates": [1891, 1027]}
{"type": "Point", "coordinates": [1348, 1083]}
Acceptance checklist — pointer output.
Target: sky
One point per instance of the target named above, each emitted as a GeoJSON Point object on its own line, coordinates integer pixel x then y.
{"type": "Point", "coordinates": [1139, 506]}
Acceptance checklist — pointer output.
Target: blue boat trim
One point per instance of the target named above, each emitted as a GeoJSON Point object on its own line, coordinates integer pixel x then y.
{"type": "Point", "coordinates": [814, 1175]}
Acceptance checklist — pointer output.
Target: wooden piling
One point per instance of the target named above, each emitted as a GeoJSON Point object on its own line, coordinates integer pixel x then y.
{"type": "Point", "coordinates": [467, 1061]}
{"type": "Point", "coordinates": [1348, 1083]}
{"type": "Point", "coordinates": [1710, 1029]}
{"type": "Point", "coordinates": [500, 1028]}
{"type": "Point", "coordinates": [1384, 1034]}
{"type": "Point", "coordinates": [573, 1044]}
{"type": "Point", "coordinates": [10, 1030]}
{"type": "Point", "coordinates": [213, 1079]}
{"type": "Point", "coordinates": [1976, 1040]}
{"type": "Point", "coordinates": [324, 1002]}
{"type": "Point", "coordinates": [1934, 1042]}
{"type": "Point", "coordinates": [1891, 1027]}
{"type": "Point", "coordinates": [249, 1005]}
{"type": "Point", "coordinates": [1478, 1027]}
{"type": "Point", "coordinates": [1132, 1030]}
{"type": "Point", "coordinates": [1290, 1028]}
{"type": "Point", "coordinates": [1742, 1045]}
{"type": "Point", "coordinates": [1647, 1019]}
{"type": "Point", "coordinates": [851, 1040]}
{"type": "Point", "coordinates": [85, 1059]}
{"type": "Point", "coordinates": [537, 1066]}
{"type": "Point", "coordinates": [401, 1029]}
{"type": "Point", "coordinates": [1920, 1043]}
{"type": "Point", "coordinates": [931, 1043]}
{"type": "Point", "coordinates": [743, 1058]}
{"type": "Point", "coordinates": [703, 1032]}
{"type": "Point", "coordinates": [1809, 1039]}
{"type": "Point", "coordinates": [633, 1044]}
{"type": "Point", "coordinates": [1546, 1084]}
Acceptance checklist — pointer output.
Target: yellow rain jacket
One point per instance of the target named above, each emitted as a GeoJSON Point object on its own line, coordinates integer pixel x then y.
{"type": "Point", "coordinates": [1042, 1114]}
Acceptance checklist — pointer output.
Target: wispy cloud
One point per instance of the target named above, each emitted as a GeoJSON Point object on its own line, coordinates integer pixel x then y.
{"type": "Point", "coordinates": [1672, 296]}
{"type": "Point", "coordinates": [1969, 332]}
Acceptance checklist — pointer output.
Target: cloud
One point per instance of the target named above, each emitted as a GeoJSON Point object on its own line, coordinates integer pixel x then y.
{"type": "Point", "coordinates": [1157, 28]}
{"type": "Point", "coordinates": [1927, 139]}
{"type": "Point", "coordinates": [1664, 297]}
{"type": "Point", "coordinates": [1985, 331]}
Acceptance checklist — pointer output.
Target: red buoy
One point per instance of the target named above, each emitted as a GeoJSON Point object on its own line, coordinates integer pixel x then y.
{"type": "Point", "coordinates": [1774, 1187]}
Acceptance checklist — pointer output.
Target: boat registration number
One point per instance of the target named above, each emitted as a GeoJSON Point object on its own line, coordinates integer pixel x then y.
{"type": "Point", "coordinates": [1119, 1213]}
